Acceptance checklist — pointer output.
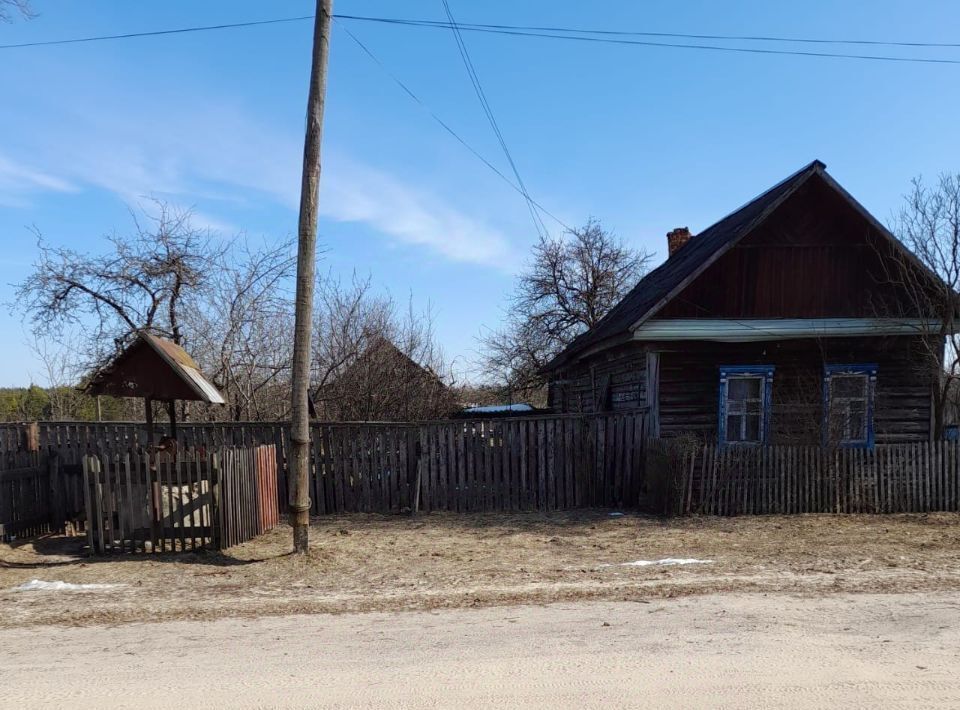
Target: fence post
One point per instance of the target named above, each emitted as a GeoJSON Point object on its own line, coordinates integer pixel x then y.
{"type": "Point", "coordinates": [87, 503]}
{"type": "Point", "coordinates": [418, 451]}
{"type": "Point", "coordinates": [216, 522]}
{"type": "Point", "coordinates": [55, 493]}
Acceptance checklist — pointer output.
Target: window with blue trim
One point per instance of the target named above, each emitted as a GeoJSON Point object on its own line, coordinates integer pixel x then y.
{"type": "Point", "coordinates": [848, 393]}
{"type": "Point", "coordinates": [745, 392]}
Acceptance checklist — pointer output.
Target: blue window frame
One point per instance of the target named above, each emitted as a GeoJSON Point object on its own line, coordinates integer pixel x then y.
{"type": "Point", "coordinates": [745, 393]}
{"type": "Point", "coordinates": [848, 394]}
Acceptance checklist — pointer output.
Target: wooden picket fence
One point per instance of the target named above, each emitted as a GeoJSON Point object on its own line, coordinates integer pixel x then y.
{"type": "Point", "coordinates": [246, 498]}
{"type": "Point", "coordinates": [895, 478]}
{"type": "Point", "coordinates": [230, 481]}
{"type": "Point", "coordinates": [530, 463]}
{"type": "Point", "coordinates": [24, 497]}
{"type": "Point", "coordinates": [524, 463]}
{"type": "Point", "coordinates": [194, 500]}
{"type": "Point", "coordinates": [74, 440]}
{"type": "Point", "coordinates": [37, 495]}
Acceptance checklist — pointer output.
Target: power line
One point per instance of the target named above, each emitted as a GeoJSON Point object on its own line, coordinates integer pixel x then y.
{"type": "Point", "coordinates": [538, 224]}
{"type": "Point", "coordinates": [443, 124]}
{"type": "Point", "coordinates": [573, 34]}
{"type": "Point", "coordinates": [157, 33]}
{"type": "Point", "coordinates": [637, 33]}
{"type": "Point", "coordinates": [673, 45]}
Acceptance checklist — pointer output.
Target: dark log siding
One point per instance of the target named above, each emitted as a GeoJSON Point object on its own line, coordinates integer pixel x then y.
{"type": "Point", "coordinates": [813, 258]}
{"type": "Point", "coordinates": [689, 384]}
{"type": "Point", "coordinates": [618, 376]}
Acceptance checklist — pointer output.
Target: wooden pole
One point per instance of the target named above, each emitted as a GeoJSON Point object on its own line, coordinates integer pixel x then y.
{"type": "Point", "coordinates": [172, 409]}
{"type": "Point", "coordinates": [57, 515]}
{"type": "Point", "coordinates": [148, 413]}
{"type": "Point", "coordinates": [306, 266]}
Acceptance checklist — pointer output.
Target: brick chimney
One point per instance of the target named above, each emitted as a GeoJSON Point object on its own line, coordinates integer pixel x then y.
{"type": "Point", "coordinates": [676, 238]}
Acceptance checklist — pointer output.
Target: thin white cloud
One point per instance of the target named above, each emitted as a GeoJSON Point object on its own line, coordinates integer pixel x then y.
{"type": "Point", "coordinates": [209, 153]}
{"type": "Point", "coordinates": [357, 193]}
{"type": "Point", "coordinates": [18, 181]}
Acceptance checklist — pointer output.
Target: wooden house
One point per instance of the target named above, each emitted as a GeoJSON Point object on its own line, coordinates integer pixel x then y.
{"type": "Point", "coordinates": [382, 383]}
{"type": "Point", "coordinates": [779, 324]}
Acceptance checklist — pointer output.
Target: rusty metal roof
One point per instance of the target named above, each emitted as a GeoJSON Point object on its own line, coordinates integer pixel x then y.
{"type": "Point", "coordinates": [157, 368]}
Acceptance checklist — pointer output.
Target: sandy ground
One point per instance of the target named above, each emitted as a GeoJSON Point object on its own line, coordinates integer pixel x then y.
{"type": "Point", "coordinates": [731, 651]}
{"type": "Point", "coordinates": [390, 563]}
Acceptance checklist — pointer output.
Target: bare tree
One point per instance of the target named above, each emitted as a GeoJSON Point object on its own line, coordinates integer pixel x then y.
{"type": "Point", "coordinates": [56, 356]}
{"type": "Point", "coordinates": [926, 288]}
{"type": "Point", "coordinates": [569, 285]}
{"type": "Point", "coordinates": [240, 330]}
{"type": "Point", "coordinates": [11, 8]}
{"type": "Point", "coordinates": [145, 282]}
{"type": "Point", "coordinates": [347, 320]}
{"type": "Point", "coordinates": [225, 301]}
{"type": "Point", "coordinates": [373, 362]}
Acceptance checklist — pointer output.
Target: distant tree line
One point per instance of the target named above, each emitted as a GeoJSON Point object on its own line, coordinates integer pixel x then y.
{"type": "Point", "coordinates": [35, 403]}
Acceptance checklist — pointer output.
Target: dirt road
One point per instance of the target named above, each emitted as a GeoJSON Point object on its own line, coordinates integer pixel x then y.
{"type": "Point", "coordinates": [734, 651]}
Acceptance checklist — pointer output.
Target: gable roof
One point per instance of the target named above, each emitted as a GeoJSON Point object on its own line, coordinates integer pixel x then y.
{"type": "Point", "coordinates": [133, 373]}
{"type": "Point", "coordinates": [661, 285]}
{"type": "Point", "coordinates": [384, 348]}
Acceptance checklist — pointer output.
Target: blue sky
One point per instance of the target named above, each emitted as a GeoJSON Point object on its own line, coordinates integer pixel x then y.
{"type": "Point", "coordinates": [645, 139]}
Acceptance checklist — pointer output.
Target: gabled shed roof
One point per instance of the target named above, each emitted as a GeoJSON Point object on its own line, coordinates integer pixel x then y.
{"type": "Point", "coordinates": [156, 368]}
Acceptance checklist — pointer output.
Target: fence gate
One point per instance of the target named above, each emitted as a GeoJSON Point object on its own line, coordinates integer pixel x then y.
{"type": "Point", "coordinates": [192, 500]}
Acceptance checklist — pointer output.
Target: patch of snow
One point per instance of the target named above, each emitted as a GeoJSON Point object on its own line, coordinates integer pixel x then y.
{"type": "Point", "coordinates": [38, 585]}
{"type": "Point", "coordinates": [665, 562]}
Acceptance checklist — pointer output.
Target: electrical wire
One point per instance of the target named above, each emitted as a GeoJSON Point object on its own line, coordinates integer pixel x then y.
{"type": "Point", "coordinates": [443, 124]}
{"type": "Point", "coordinates": [674, 35]}
{"type": "Point", "coordinates": [538, 224]}
{"type": "Point", "coordinates": [157, 33]}
{"type": "Point", "coordinates": [570, 34]}
{"type": "Point", "coordinates": [677, 45]}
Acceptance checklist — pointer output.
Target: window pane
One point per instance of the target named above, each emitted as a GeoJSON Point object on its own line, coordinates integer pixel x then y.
{"type": "Point", "coordinates": [857, 430]}
{"type": "Point", "coordinates": [740, 388]}
{"type": "Point", "coordinates": [837, 424]}
{"type": "Point", "coordinates": [753, 428]}
{"type": "Point", "coordinates": [733, 428]}
{"type": "Point", "coordinates": [849, 386]}
{"type": "Point", "coordinates": [849, 405]}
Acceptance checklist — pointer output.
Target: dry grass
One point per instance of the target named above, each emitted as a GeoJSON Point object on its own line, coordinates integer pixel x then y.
{"type": "Point", "coordinates": [371, 562]}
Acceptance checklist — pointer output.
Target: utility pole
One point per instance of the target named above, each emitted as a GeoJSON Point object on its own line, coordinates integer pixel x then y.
{"type": "Point", "coordinates": [306, 267]}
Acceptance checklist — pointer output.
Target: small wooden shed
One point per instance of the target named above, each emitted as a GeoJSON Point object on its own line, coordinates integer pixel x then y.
{"type": "Point", "coordinates": [155, 369]}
